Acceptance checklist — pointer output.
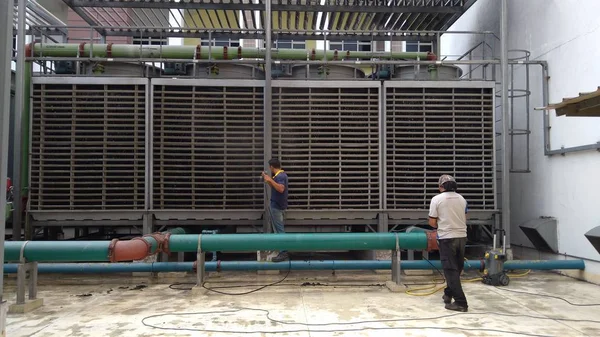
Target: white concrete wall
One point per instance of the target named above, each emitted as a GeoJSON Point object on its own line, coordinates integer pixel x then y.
{"type": "Point", "coordinates": [565, 33]}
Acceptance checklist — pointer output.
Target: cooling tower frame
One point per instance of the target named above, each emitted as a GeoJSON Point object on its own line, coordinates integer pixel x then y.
{"type": "Point", "coordinates": [89, 217]}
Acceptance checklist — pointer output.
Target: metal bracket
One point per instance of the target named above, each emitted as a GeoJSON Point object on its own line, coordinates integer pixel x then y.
{"type": "Point", "coordinates": [396, 269]}
{"type": "Point", "coordinates": [27, 275]}
{"type": "Point", "coordinates": [201, 265]}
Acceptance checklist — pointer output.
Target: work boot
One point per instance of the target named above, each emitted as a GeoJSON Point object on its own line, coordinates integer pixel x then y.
{"type": "Point", "coordinates": [456, 307]}
{"type": "Point", "coordinates": [447, 299]}
{"type": "Point", "coordinates": [284, 256]}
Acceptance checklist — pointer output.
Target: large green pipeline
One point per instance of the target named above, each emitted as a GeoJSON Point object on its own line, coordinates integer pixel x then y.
{"type": "Point", "coordinates": [198, 52]}
{"type": "Point", "coordinates": [300, 242]}
{"type": "Point", "coordinates": [96, 251]}
{"type": "Point", "coordinates": [107, 268]}
{"type": "Point", "coordinates": [88, 251]}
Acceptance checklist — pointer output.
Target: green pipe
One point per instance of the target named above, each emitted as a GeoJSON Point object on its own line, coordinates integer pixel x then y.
{"type": "Point", "coordinates": [94, 251]}
{"type": "Point", "coordinates": [304, 242]}
{"type": "Point", "coordinates": [106, 268]}
{"type": "Point", "coordinates": [216, 53]}
{"type": "Point", "coordinates": [433, 72]}
{"type": "Point", "coordinates": [68, 251]}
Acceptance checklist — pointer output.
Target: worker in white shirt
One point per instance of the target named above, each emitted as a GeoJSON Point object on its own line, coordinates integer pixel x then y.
{"type": "Point", "coordinates": [448, 213]}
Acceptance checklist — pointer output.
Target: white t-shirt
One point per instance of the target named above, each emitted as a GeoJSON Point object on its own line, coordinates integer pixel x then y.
{"type": "Point", "coordinates": [449, 208]}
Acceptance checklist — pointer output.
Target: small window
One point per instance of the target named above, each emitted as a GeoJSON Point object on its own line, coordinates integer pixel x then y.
{"type": "Point", "coordinates": [350, 45]}
{"type": "Point", "coordinates": [150, 41]}
{"type": "Point", "coordinates": [417, 46]}
{"type": "Point", "coordinates": [336, 46]}
{"type": "Point", "coordinates": [221, 43]}
{"type": "Point", "coordinates": [289, 44]}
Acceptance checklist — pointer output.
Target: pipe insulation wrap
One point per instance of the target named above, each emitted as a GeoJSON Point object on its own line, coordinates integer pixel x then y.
{"type": "Point", "coordinates": [107, 268]}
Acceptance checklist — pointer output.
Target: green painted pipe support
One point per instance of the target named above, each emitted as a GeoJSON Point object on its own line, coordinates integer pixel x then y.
{"type": "Point", "coordinates": [216, 53]}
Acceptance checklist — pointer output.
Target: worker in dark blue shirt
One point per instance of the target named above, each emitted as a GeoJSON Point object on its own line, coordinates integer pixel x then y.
{"type": "Point", "coordinates": [279, 200]}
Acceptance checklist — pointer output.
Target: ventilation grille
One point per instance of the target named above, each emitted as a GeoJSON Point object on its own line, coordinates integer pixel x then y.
{"type": "Point", "coordinates": [87, 150]}
{"type": "Point", "coordinates": [327, 139]}
{"type": "Point", "coordinates": [435, 131]}
{"type": "Point", "coordinates": [208, 147]}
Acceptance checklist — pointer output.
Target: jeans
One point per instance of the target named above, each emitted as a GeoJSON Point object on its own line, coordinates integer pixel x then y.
{"type": "Point", "coordinates": [452, 255]}
{"type": "Point", "coordinates": [277, 218]}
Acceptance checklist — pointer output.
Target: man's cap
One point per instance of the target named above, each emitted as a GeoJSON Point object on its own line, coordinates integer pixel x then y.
{"type": "Point", "coordinates": [445, 178]}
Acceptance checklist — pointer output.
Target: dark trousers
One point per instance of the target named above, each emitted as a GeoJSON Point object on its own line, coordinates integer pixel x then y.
{"type": "Point", "coordinates": [452, 255]}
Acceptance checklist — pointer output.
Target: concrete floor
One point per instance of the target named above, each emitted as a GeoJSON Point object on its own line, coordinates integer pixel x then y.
{"type": "Point", "coordinates": [110, 306]}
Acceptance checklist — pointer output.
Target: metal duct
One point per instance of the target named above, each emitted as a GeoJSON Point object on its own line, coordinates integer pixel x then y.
{"type": "Point", "coordinates": [327, 134]}
{"type": "Point", "coordinates": [207, 146]}
{"type": "Point", "coordinates": [543, 233]}
{"type": "Point", "coordinates": [593, 237]}
{"type": "Point", "coordinates": [439, 130]}
{"type": "Point", "coordinates": [87, 150]}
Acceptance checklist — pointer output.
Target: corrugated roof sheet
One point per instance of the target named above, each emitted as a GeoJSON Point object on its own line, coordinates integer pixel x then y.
{"type": "Point", "coordinates": [288, 15]}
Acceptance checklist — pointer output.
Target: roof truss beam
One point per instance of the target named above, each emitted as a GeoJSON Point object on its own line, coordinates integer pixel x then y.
{"type": "Point", "coordinates": [204, 34]}
{"type": "Point", "coordinates": [82, 13]}
{"type": "Point", "coordinates": [379, 7]}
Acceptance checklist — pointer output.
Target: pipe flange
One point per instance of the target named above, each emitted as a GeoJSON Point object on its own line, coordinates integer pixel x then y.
{"type": "Point", "coordinates": [218, 266]}
{"type": "Point", "coordinates": [432, 242]}
{"type": "Point", "coordinates": [158, 237]}
{"type": "Point", "coordinates": [481, 265]}
{"type": "Point", "coordinates": [198, 52]}
{"type": "Point", "coordinates": [165, 244]}
{"type": "Point", "coordinates": [109, 50]}
{"type": "Point", "coordinates": [81, 49]}
{"type": "Point", "coordinates": [335, 55]}
{"type": "Point", "coordinates": [111, 250]}
{"type": "Point", "coordinates": [29, 49]}
{"type": "Point", "coordinates": [239, 52]}
{"type": "Point", "coordinates": [225, 57]}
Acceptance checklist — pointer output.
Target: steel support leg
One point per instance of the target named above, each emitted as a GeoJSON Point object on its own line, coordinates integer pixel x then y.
{"type": "Point", "coordinates": [27, 278]}
{"type": "Point", "coordinates": [396, 260]}
{"type": "Point", "coordinates": [148, 225]}
{"type": "Point", "coordinates": [201, 265]}
{"type": "Point", "coordinates": [6, 38]}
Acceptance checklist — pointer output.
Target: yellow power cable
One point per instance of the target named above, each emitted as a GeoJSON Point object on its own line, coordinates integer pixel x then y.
{"type": "Point", "coordinates": [434, 286]}
{"type": "Point", "coordinates": [527, 272]}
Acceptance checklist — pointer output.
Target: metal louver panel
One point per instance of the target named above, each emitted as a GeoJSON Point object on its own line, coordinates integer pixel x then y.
{"type": "Point", "coordinates": [208, 147]}
{"type": "Point", "coordinates": [433, 131]}
{"type": "Point", "coordinates": [87, 150]}
{"type": "Point", "coordinates": [327, 138]}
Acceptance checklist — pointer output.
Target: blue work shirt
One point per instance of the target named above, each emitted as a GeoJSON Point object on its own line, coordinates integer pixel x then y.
{"type": "Point", "coordinates": [280, 200]}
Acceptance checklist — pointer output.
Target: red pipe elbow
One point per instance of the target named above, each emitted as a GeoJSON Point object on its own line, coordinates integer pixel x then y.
{"type": "Point", "coordinates": [431, 56]}
{"type": "Point", "coordinates": [29, 49]}
{"type": "Point", "coordinates": [130, 250]}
